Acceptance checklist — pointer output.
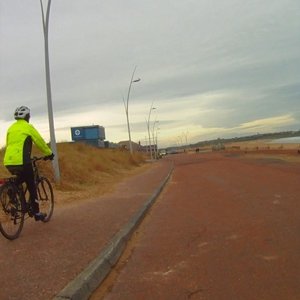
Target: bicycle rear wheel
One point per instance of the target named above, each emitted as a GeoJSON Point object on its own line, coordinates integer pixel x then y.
{"type": "Point", "coordinates": [45, 197]}
{"type": "Point", "coordinates": [11, 212]}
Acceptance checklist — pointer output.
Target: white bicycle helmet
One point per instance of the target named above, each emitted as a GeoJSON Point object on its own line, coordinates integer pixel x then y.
{"type": "Point", "coordinates": [22, 112]}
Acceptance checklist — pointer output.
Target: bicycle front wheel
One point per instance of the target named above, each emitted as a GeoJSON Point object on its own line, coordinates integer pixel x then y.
{"type": "Point", "coordinates": [11, 212]}
{"type": "Point", "coordinates": [45, 197]}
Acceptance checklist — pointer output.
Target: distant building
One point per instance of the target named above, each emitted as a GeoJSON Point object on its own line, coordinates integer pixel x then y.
{"type": "Point", "coordinates": [93, 135]}
{"type": "Point", "coordinates": [148, 148]}
{"type": "Point", "coordinates": [125, 145]}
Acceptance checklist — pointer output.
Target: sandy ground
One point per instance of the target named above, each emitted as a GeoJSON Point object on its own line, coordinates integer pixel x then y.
{"type": "Point", "coordinates": [263, 145]}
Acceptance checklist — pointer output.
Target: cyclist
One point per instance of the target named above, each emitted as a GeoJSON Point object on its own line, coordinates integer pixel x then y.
{"type": "Point", "coordinates": [17, 158]}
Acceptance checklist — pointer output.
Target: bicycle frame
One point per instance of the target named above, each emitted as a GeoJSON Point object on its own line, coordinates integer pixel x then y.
{"type": "Point", "coordinates": [15, 201]}
{"type": "Point", "coordinates": [26, 206]}
{"type": "Point", "coordinates": [36, 178]}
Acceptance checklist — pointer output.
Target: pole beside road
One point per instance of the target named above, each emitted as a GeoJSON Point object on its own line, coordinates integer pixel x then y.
{"type": "Point", "coordinates": [126, 104]}
{"type": "Point", "coordinates": [48, 87]}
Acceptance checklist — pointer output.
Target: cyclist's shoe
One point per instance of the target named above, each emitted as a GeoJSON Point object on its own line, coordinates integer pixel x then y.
{"type": "Point", "coordinates": [40, 216]}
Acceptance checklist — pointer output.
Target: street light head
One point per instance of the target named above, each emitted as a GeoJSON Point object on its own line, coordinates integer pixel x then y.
{"type": "Point", "coordinates": [136, 80]}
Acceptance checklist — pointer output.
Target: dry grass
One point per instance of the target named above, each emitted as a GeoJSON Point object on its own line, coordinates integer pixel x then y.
{"type": "Point", "coordinates": [87, 171]}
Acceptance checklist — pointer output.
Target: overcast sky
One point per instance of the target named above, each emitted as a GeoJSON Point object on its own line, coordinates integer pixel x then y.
{"type": "Point", "coordinates": [211, 68]}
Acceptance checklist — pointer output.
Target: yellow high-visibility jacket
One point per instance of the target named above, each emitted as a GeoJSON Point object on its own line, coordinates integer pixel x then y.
{"type": "Point", "coordinates": [19, 138]}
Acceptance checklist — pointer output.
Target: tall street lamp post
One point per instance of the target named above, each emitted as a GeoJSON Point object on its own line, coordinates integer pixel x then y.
{"type": "Point", "coordinates": [48, 86]}
{"type": "Point", "coordinates": [148, 127]}
{"type": "Point", "coordinates": [126, 107]}
{"type": "Point", "coordinates": [154, 139]}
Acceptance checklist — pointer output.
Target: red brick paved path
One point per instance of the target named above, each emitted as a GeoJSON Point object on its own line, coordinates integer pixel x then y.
{"type": "Point", "coordinates": [224, 228]}
{"type": "Point", "coordinates": [46, 257]}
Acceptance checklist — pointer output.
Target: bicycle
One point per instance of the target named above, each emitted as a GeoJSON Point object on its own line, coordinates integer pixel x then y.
{"type": "Point", "coordinates": [15, 204]}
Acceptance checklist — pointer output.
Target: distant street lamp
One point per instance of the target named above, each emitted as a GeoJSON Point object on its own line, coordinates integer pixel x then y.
{"type": "Point", "coordinates": [48, 86]}
{"type": "Point", "coordinates": [185, 134]}
{"type": "Point", "coordinates": [148, 127]}
{"type": "Point", "coordinates": [126, 108]}
{"type": "Point", "coordinates": [154, 139]}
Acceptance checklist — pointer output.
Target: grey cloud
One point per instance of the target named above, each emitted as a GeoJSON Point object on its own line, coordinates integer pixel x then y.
{"type": "Point", "coordinates": [182, 49]}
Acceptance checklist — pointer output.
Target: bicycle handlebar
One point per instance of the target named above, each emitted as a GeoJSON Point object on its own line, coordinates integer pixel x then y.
{"type": "Point", "coordinates": [35, 158]}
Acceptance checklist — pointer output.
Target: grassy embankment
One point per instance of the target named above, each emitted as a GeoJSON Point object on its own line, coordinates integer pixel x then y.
{"type": "Point", "coordinates": [87, 171]}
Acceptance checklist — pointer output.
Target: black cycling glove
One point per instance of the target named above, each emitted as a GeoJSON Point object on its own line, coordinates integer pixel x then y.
{"type": "Point", "coordinates": [49, 157]}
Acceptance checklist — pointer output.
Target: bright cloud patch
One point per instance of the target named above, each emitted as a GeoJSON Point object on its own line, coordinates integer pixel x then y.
{"type": "Point", "coordinates": [268, 123]}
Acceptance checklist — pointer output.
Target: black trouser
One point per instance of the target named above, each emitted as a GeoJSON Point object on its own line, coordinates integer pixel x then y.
{"type": "Point", "coordinates": [25, 174]}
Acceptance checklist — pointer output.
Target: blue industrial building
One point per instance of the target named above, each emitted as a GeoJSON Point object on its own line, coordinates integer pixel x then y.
{"type": "Point", "coordinates": [93, 135]}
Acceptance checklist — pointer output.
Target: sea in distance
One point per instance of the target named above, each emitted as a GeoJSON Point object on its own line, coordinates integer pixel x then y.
{"type": "Point", "coordinates": [289, 140]}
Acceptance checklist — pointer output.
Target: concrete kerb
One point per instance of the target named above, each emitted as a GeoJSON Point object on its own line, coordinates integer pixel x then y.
{"type": "Point", "coordinates": [92, 276]}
